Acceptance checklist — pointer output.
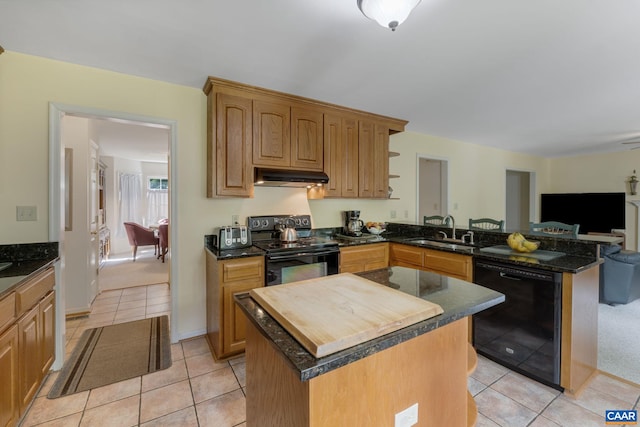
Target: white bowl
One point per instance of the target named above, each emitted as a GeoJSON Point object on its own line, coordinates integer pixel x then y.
{"type": "Point", "coordinates": [374, 230]}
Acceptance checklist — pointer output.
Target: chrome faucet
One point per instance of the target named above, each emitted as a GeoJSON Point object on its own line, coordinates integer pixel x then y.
{"type": "Point", "coordinates": [470, 235]}
{"type": "Point", "coordinates": [453, 225]}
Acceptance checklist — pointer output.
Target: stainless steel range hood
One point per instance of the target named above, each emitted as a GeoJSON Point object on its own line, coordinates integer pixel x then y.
{"type": "Point", "coordinates": [289, 178]}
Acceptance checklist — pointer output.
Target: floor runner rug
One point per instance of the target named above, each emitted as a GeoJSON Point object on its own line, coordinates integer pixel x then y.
{"type": "Point", "coordinates": [115, 353]}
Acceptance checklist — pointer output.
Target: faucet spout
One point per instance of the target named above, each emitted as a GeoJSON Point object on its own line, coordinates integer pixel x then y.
{"type": "Point", "coordinates": [453, 225]}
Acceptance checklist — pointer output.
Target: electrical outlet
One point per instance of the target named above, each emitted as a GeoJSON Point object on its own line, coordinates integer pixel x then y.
{"type": "Point", "coordinates": [26, 213]}
{"type": "Point", "coordinates": [393, 214]}
{"type": "Point", "coordinates": [406, 213]}
{"type": "Point", "coordinates": [235, 219]}
{"type": "Point", "coordinates": [408, 417]}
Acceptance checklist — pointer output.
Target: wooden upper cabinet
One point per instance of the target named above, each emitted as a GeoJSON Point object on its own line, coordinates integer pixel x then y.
{"type": "Point", "coordinates": [341, 156]}
{"type": "Point", "coordinates": [306, 138]}
{"type": "Point", "coordinates": [249, 127]}
{"type": "Point", "coordinates": [233, 127]}
{"type": "Point", "coordinates": [271, 134]}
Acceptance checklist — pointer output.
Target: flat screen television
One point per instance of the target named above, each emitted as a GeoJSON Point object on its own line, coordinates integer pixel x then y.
{"type": "Point", "coordinates": [595, 212]}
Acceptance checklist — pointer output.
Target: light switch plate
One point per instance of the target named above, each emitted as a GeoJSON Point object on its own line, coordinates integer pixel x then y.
{"type": "Point", "coordinates": [26, 213]}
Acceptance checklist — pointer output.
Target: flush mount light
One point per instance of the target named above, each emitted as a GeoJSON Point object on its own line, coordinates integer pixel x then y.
{"type": "Point", "coordinates": [388, 13]}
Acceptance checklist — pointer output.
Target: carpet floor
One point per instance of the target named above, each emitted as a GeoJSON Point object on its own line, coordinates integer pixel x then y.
{"type": "Point", "coordinates": [121, 272]}
{"type": "Point", "coordinates": [115, 353]}
{"type": "Point", "coordinates": [619, 340]}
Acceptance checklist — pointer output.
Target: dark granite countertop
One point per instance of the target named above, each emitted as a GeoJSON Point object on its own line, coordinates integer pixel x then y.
{"type": "Point", "coordinates": [26, 260]}
{"type": "Point", "coordinates": [457, 298]}
{"type": "Point", "coordinates": [209, 244]}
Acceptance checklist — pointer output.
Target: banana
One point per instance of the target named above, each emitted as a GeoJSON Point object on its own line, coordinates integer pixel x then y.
{"type": "Point", "coordinates": [518, 243]}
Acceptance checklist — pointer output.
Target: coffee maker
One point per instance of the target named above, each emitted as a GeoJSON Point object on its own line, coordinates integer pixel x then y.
{"type": "Point", "coordinates": [352, 223]}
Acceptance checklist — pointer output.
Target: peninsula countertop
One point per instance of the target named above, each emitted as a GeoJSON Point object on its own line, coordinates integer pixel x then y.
{"type": "Point", "coordinates": [457, 298]}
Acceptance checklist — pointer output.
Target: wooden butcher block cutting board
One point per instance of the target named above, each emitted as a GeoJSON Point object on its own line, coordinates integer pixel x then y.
{"type": "Point", "coordinates": [332, 313]}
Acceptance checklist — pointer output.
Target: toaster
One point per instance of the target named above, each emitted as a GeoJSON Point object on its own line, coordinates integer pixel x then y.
{"type": "Point", "coordinates": [234, 237]}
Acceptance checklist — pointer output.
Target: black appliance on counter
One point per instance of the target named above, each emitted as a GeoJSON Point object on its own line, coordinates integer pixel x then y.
{"type": "Point", "coordinates": [523, 333]}
{"type": "Point", "coordinates": [352, 223]}
{"type": "Point", "coordinates": [306, 258]}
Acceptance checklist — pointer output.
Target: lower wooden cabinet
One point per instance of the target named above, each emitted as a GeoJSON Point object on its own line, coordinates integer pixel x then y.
{"type": "Point", "coordinates": [367, 257]}
{"type": "Point", "coordinates": [27, 345]}
{"type": "Point", "coordinates": [442, 262]}
{"type": "Point", "coordinates": [9, 408]}
{"type": "Point", "coordinates": [225, 322]}
{"type": "Point", "coordinates": [29, 342]}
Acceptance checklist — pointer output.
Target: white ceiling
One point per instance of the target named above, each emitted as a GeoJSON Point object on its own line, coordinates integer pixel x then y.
{"type": "Point", "coordinates": [547, 77]}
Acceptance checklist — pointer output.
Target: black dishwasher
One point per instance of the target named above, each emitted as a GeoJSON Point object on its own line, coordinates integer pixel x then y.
{"type": "Point", "coordinates": [523, 333]}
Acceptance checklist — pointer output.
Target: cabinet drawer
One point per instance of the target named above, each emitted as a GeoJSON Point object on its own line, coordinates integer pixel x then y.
{"type": "Point", "coordinates": [33, 291]}
{"type": "Point", "coordinates": [450, 264]}
{"type": "Point", "coordinates": [364, 253]}
{"type": "Point", "coordinates": [7, 310]}
{"type": "Point", "coordinates": [403, 254]}
{"type": "Point", "coordinates": [239, 269]}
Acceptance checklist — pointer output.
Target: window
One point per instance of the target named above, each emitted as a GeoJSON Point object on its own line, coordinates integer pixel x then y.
{"type": "Point", "coordinates": [158, 184]}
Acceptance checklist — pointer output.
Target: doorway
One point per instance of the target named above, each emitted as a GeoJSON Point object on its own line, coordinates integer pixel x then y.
{"type": "Point", "coordinates": [520, 199]}
{"type": "Point", "coordinates": [433, 187]}
{"type": "Point", "coordinates": [57, 196]}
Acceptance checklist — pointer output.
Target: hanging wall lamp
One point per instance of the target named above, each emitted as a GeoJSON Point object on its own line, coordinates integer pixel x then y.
{"type": "Point", "coordinates": [388, 13]}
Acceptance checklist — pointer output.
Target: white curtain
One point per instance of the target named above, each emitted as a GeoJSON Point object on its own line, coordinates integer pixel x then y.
{"type": "Point", "coordinates": [129, 198]}
{"type": "Point", "coordinates": [157, 205]}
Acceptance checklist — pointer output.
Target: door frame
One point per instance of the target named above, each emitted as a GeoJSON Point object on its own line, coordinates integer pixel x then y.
{"type": "Point", "coordinates": [444, 184]}
{"type": "Point", "coordinates": [56, 204]}
{"type": "Point", "coordinates": [532, 195]}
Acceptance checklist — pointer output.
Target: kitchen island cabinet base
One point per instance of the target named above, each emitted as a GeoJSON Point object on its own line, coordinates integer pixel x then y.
{"type": "Point", "coordinates": [430, 370]}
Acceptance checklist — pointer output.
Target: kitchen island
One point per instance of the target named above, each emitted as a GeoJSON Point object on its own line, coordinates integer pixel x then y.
{"type": "Point", "coordinates": [425, 363]}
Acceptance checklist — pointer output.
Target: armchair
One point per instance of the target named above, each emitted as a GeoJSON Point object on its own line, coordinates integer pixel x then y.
{"type": "Point", "coordinates": [619, 275]}
{"type": "Point", "coordinates": [140, 236]}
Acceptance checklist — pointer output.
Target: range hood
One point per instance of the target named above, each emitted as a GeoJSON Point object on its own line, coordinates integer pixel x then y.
{"type": "Point", "coordinates": [289, 178]}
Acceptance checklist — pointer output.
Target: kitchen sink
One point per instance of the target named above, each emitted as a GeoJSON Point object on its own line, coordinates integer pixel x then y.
{"type": "Point", "coordinates": [5, 265]}
{"type": "Point", "coordinates": [440, 244]}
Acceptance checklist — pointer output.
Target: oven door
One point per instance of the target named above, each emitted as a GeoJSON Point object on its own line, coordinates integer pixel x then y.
{"type": "Point", "coordinates": [291, 267]}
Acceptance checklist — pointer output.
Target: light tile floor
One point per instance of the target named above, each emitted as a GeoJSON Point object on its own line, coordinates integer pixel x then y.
{"type": "Point", "coordinates": [198, 391]}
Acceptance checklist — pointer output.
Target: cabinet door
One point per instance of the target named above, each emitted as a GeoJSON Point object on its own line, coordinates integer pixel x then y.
{"type": "Point", "coordinates": [366, 137]}
{"type": "Point", "coordinates": [234, 319]}
{"type": "Point", "coordinates": [333, 155]}
{"type": "Point", "coordinates": [453, 265]}
{"type": "Point", "coordinates": [9, 411]}
{"type": "Point", "coordinates": [350, 161]}
{"type": "Point", "coordinates": [306, 138]}
{"type": "Point", "coordinates": [47, 332]}
{"type": "Point", "coordinates": [271, 134]}
{"type": "Point", "coordinates": [30, 372]}
{"type": "Point", "coordinates": [364, 258]}
{"type": "Point", "coordinates": [405, 256]}
{"type": "Point", "coordinates": [381, 162]}
{"type": "Point", "coordinates": [234, 173]}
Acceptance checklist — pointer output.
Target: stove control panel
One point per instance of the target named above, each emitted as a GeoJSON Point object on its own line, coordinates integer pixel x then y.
{"type": "Point", "coordinates": [275, 222]}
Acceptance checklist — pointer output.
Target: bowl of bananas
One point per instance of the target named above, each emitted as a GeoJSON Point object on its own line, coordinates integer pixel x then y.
{"type": "Point", "coordinates": [519, 243]}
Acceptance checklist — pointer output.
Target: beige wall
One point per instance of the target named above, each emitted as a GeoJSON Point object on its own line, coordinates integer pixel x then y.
{"type": "Point", "coordinates": [600, 173]}
{"type": "Point", "coordinates": [28, 84]}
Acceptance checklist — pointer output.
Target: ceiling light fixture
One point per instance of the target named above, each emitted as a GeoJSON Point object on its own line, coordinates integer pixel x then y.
{"type": "Point", "coordinates": [388, 13]}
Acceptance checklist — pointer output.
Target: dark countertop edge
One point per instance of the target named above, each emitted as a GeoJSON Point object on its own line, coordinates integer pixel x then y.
{"type": "Point", "coordinates": [308, 367]}
{"type": "Point", "coordinates": [234, 253]}
{"type": "Point", "coordinates": [24, 272]}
